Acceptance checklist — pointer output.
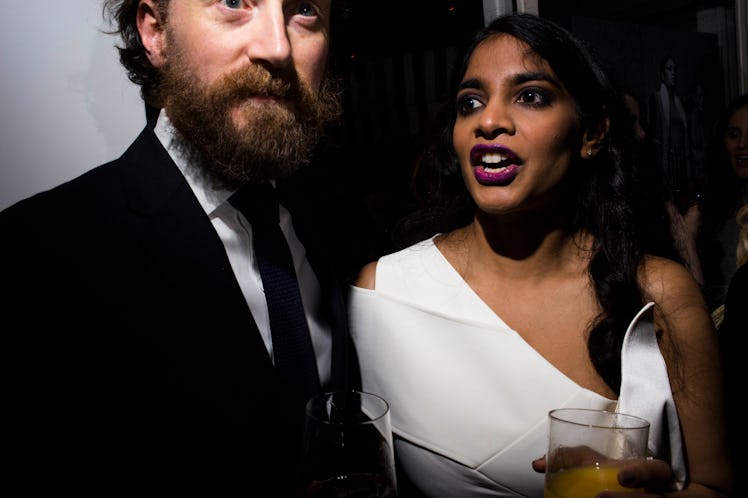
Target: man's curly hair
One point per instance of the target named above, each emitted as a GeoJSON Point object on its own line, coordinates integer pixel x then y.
{"type": "Point", "coordinates": [121, 14]}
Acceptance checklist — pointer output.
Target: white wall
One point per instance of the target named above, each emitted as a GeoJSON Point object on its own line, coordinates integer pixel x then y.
{"type": "Point", "coordinates": [66, 104]}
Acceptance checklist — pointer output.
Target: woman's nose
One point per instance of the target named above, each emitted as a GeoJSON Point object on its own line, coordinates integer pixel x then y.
{"type": "Point", "coordinates": [495, 120]}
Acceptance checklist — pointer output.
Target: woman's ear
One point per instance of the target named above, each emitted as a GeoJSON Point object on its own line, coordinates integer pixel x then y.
{"type": "Point", "coordinates": [151, 30]}
{"type": "Point", "coordinates": [593, 138]}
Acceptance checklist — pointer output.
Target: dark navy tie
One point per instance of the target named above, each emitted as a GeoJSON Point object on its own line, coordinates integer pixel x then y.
{"type": "Point", "coordinates": [293, 353]}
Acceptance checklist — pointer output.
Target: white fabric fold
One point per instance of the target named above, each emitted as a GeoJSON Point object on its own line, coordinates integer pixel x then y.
{"type": "Point", "coordinates": [475, 395]}
{"type": "Point", "coordinates": [646, 392]}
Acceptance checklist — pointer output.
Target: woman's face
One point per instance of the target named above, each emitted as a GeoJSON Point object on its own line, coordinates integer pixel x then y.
{"type": "Point", "coordinates": [517, 130]}
{"type": "Point", "coordinates": [736, 142]}
{"type": "Point", "coordinates": [669, 73]}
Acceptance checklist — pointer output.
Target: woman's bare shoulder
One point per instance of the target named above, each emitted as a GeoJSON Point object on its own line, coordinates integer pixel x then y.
{"type": "Point", "coordinates": [668, 282]}
{"type": "Point", "coordinates": [366, 278]}
{"type": "Point", "coordinates": [680, 302]}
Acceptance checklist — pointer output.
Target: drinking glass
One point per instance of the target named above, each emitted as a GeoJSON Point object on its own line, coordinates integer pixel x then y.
{"type": "Point", "coordinates": [586, 448]}
{"type": "Point", "coordinates": [347, 450]}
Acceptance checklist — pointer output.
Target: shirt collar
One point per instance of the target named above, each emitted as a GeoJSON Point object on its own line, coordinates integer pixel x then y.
{"type": "Point", "coordinates": [209, 197]}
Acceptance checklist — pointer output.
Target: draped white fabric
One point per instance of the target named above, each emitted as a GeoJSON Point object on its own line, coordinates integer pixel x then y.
{"type": "Point", "coordinates": [469, 397]}
{"type": "Point", "coordinates": [645, 391]}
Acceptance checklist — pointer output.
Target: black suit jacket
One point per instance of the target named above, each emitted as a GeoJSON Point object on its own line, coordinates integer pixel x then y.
{"type": "Point", "coordinates": [731, 335]}
{"type": "Point", "coordinates": [135, 362]}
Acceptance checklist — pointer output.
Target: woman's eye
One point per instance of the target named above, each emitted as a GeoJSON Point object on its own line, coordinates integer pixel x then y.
{"type": "Point", "coordinates": [732, 133]}
{"type": "Point", "coordinates": [533, 97]}
{"type": "Point", "coordinates": [467, 104]}
{"type": "Point", "coordinates": [232, 4]}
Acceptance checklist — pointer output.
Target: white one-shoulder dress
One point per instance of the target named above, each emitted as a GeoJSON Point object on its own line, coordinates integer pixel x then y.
{"type": "Point", "coordinates": [469, 398]}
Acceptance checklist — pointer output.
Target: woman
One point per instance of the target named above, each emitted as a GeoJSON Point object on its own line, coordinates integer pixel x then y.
{"type": "Point", "coordinates": [725, 191]}
{"type": "Point", "coordinates": [533, 267]}
{"type": "Point", "coordinates": [668, 125]}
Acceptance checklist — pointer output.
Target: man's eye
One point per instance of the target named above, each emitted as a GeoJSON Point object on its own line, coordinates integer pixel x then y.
{"type": "Point", "coordinates": [232, 4]}
{"type": "Point", "coordinates": [307, 9]}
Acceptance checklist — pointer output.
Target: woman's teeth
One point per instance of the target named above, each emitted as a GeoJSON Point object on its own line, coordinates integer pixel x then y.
{"type": "Point", "coordinates": [493, 158]}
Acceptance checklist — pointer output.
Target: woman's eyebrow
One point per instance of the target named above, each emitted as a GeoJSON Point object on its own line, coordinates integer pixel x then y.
{"type": "Point", "coordinates": [470, 83]}
{"type": "Point", "coordinates": [516, 79]}
{"type": "Point", "coordinates": [521, 78]}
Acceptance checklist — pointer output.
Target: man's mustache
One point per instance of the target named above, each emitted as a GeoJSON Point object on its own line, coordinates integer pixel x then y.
{"type": "Point", "coordinates": [255, 80]}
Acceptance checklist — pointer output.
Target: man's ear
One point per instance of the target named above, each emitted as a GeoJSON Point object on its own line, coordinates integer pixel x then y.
{"type": "Point", "coordinates": [151, 30]}
{"type": "Point", "coordinates": [593, 138]}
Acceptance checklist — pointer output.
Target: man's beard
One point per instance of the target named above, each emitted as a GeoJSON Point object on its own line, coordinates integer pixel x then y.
{"type": "Point", "coordinates": [269, 140]}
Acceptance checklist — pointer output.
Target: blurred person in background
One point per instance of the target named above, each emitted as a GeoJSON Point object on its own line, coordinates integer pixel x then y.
{"type": "Point", "coordinates": [725, 191]}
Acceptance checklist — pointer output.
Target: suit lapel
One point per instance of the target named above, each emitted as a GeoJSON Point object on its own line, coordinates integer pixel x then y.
{"type": "Point", "coordinates": [188, 264]}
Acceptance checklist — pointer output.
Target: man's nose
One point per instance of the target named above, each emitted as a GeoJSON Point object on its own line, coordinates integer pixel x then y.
{"type": "Point", "coordinates": [267, 38]}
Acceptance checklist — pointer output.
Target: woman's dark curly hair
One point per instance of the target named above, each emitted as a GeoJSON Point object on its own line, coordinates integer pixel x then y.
{"type": "Point", "coordinates": [606, 195]}
{"type": "Point", "coordinates": [121, 14]}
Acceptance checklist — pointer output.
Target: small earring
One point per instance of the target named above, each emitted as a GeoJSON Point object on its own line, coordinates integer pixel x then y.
{"type": "Point", "coordinates": [589, 153]}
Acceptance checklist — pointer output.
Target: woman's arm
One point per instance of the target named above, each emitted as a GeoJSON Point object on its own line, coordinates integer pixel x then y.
{"type": "Point", "coordinates": [690, 347]}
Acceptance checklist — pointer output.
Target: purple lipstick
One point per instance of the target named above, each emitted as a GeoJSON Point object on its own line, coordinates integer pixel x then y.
{"type": "Point", "coordinates": [493, 164]}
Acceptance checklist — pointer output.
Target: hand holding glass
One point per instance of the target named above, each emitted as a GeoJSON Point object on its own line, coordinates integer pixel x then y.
{"type": "Point", "coordinates": [348, 449]}
{"type": "Point", "coordinates": [586, 449]}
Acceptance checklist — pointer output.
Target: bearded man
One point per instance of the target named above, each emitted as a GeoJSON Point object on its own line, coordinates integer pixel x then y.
{"type": "Point", "coordinates": [142, 342]}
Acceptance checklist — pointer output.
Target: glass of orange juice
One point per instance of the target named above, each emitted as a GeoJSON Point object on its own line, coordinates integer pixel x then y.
{"type": "Point", "coordinates": [587, 447]}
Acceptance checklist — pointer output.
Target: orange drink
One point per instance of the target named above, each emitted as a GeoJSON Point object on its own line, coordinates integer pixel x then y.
{"type": "Point", "coordinates": [586, 449]}
{"type": "Point", "coordinates": [583, 482]}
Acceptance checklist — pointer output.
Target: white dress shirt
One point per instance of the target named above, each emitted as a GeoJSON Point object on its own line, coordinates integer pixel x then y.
{"type": "Point", "coordinates": [236, 234]}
